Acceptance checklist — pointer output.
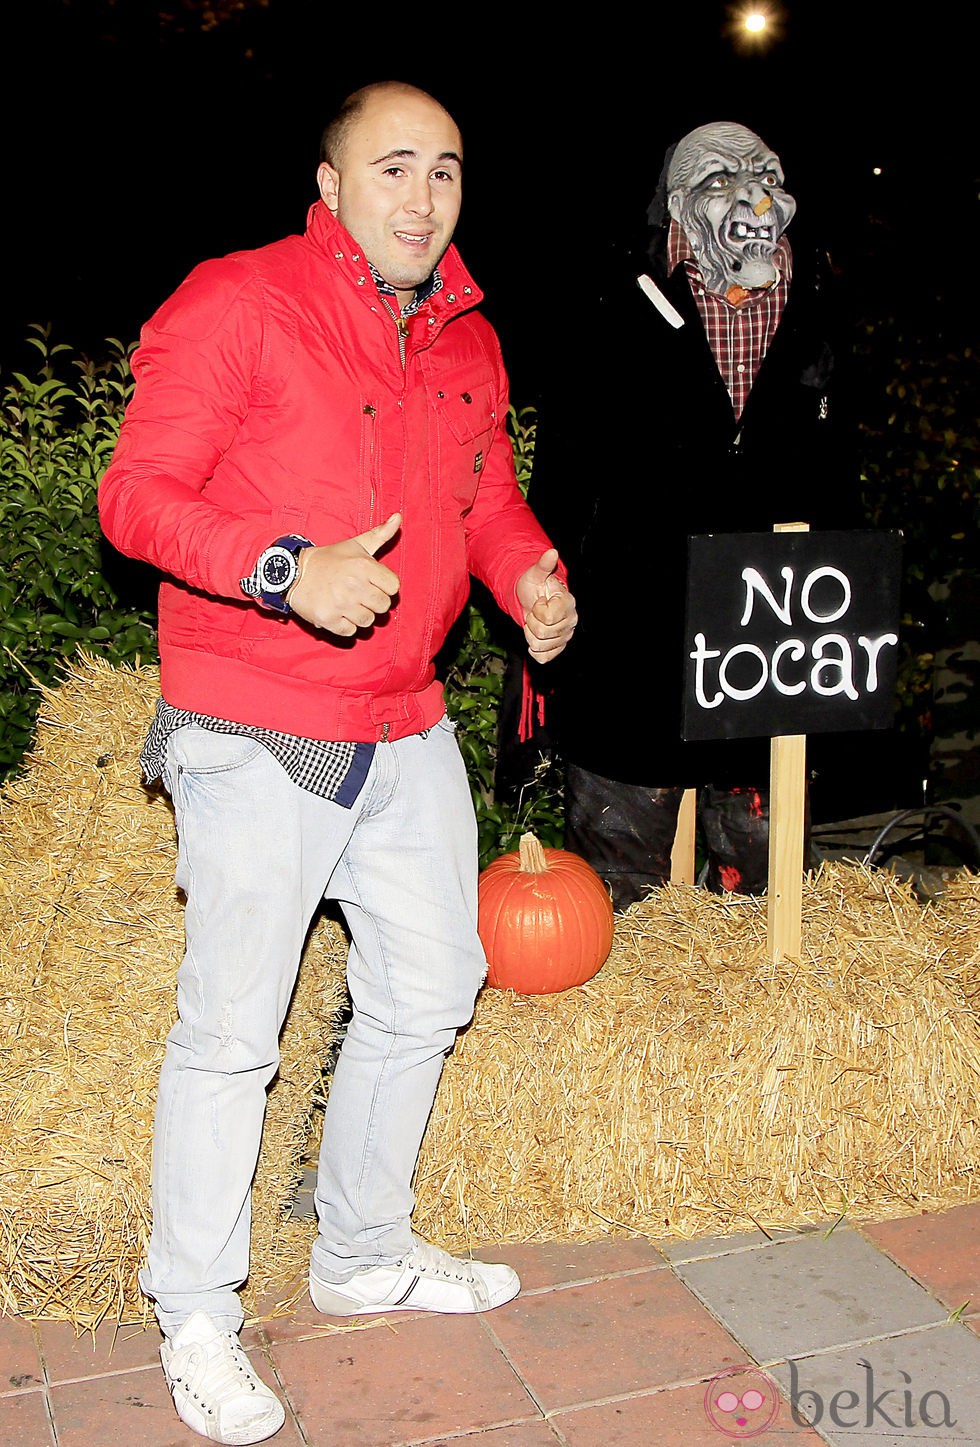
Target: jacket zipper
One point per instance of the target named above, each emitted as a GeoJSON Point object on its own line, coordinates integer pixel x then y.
{"type": "Point", "coordinates": [402, 325]}
{"type": "Point", "coordinates": [371, 411]}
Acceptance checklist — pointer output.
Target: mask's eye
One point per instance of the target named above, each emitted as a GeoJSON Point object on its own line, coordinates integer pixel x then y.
{"type": "Point", "coordinates": [771, 179]}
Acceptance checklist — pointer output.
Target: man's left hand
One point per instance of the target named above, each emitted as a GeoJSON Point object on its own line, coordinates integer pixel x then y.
{"type": "Point", "coordinates": [549, 608]}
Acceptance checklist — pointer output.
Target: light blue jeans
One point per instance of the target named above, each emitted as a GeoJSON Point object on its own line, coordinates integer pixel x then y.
{"type": "Point", "coordinates": [256, 854]}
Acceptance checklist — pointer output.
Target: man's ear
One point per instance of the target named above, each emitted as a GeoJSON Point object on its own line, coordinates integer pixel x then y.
{"type": "Point", "coordinates": [328, 181]}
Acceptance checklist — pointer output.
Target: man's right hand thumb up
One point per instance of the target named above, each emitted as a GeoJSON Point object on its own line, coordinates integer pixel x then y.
{"type": "Point", "coordinates": [375, 538]}
{"type": "Point", "coordinates": [342, 587]}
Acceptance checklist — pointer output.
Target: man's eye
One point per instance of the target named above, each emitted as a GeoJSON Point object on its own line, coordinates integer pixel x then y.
{"type": "Point", "coordinates": [443, 176]}
{"type": "Point", "coordinates": [393, 171]}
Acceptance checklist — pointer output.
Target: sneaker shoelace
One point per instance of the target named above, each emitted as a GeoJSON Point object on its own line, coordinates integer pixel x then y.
{"type": "Point", "coordinates": [229, 1371]}
{"type": "Point", "coordinates": [433, 1261]}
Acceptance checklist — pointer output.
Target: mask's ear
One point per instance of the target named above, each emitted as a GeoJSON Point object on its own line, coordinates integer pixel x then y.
{"type": "Point", "coordinates": [674, 205]}
{"type": "Point", "coordinates": [328, 181]}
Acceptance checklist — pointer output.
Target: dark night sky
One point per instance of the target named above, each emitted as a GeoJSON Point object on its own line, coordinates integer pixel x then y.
{"type": "Point", "coordinates": [142, 148]}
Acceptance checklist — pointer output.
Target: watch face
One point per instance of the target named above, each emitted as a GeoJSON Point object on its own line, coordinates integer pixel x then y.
{"type": "Point", "coordinates": [278, 569]}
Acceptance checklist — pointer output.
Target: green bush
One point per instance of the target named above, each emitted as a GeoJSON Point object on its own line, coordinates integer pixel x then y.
{"type": "Point", "coordinates": [57, 431]}
{"type": "Point", "coordinates": [920, 455]}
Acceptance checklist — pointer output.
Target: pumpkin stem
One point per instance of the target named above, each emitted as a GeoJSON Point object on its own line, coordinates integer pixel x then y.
{"type": "Point", "coordinates": [532, 856]}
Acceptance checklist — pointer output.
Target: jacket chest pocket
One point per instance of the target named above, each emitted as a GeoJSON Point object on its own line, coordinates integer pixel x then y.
{"type": "Point", "coordinates": [465, 421]}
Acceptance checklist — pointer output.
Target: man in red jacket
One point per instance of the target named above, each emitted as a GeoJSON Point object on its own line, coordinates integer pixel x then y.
{"type": "Point", "coordinates": [316, 457]}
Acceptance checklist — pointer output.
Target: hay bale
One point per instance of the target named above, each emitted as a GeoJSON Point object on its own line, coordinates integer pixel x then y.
{"type": "Point", "coordinates": [91, 934]}
{"type": "Point", "coordinates": [694, 1086]}
{"type": "Point", "coordinates": [691, 1086]}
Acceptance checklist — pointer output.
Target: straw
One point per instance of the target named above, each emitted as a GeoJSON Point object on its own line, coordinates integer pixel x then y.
{"type": "Point", "coordinates": [691, 1087]}
{"type": "Point", "coordinates": [91, 934]}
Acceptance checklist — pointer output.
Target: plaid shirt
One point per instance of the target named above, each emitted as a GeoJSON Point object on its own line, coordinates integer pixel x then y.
{"type": "Point", "coordinates": [331, 771]}
{"type": "Point", "coordinates": [739, 331]}
{"type": "Point", "coordinates": [428, 288]}
{"type": "Point", "coordinates": [334, 771]}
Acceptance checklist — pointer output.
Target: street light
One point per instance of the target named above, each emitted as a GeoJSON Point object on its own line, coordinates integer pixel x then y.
{"type": "Point", "coordinates": [755, 25]}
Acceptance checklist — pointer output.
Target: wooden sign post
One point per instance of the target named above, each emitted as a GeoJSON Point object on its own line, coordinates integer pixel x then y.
{"type": "Point", "coordinates": [786, 634]}
{"type": "Point", "coordinates": [682, 855]}
{"type": "Point", "coordinates": [787, 803]}
{"type": "Point", "coordinates": [787, 807]}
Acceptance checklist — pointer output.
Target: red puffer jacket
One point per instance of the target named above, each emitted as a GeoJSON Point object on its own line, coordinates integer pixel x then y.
{"type": "Point", "coordinates": [272, 398]}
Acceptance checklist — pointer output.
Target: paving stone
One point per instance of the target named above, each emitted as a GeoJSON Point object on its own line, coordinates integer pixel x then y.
{"type": "Point", "coordinates": [522, 1434]}
{"type": "Point", "coordinates": [608, 1340]}
{"type": "Point", "coordinates": [24, 1421]}
{"type": "Point", "coordinates": [809, 1294]}
{"type": "Point", "coordinates": [676, 1417]}
{"type": "Point", "coordinates": [620, 1335]}
{"type": "Point", "coordinates": [70, 1357]}
{"type": "Point", "coordinates": [542, 1265]}
{"type": "Point", "coordinates": [701, 1247]}
{"type": "Point", "coordinates": [418, 1378]}
{"type": "Point", "coordinates": [132, 1409]}
{"type": "Point", "coordinates": [942, 1251]}
{"type": "Point", "coordinates": [20, 1365]}
{"type": "Point", "coordinates": [918, 1388]}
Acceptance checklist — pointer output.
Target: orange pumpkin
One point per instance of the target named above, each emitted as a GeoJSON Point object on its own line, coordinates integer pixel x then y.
{"type": "Point", "coordinates": [546, 920]}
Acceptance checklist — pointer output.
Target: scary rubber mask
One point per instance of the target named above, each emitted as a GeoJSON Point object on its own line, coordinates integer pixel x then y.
{"type": "Point", "coordinates": [725, 190]}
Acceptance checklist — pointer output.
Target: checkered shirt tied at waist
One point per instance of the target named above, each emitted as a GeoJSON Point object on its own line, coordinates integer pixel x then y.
{"type": "Point", "coordinates": [329, 770]}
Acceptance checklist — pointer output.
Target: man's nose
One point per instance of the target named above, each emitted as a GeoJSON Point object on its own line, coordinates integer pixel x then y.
{"type": "Point", "coordinates": [419, 200]}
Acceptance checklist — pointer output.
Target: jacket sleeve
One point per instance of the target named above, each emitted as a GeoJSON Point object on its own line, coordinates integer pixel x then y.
{"type": "Point", "coordinates": [195, 369]}
{"type": "Point", "coordinates": [503, 537]}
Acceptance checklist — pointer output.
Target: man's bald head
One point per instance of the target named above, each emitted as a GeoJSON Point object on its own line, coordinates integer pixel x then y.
{"type": "Point", "coordinates": [337, 131]}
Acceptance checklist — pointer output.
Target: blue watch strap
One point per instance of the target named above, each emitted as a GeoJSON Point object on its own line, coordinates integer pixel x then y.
{"type": "Point", "coordinates": [275, 572]}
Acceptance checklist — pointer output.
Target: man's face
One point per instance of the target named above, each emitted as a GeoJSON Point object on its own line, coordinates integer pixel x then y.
{"type": "Point", "coordinates": [398, 186]}
{"type": "Point", "coordinates": [725, 190]}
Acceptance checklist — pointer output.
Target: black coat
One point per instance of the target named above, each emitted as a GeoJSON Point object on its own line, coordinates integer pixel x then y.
{"type": "Point", "coordinates": [638, 447]}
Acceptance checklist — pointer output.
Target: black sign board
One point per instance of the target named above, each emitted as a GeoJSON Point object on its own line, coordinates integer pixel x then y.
{"type": "Point", "coordinates": [790, 633]}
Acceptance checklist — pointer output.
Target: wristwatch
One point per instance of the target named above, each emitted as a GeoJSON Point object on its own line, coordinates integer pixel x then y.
{"type": "Point", "coordinates": [275, 572]}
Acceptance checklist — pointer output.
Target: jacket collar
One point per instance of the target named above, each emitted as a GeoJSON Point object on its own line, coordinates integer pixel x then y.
{"type": "Point", "coordinates": [458, 293]}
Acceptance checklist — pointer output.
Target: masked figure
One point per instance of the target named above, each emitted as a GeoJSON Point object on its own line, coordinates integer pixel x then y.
{"type": "Point", "coordinates": [726, 194]}
{"type": "Point", "coordinates": [697, 391]}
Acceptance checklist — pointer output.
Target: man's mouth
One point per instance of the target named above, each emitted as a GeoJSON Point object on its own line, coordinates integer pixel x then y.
{"type": "Point", "coordinates": [414, 238]}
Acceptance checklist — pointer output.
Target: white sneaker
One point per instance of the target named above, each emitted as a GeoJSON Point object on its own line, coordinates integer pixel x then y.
{"type": "Point", "coordinates": [427, 1279]}
{"type": "Point", "coordinates": [213, 1386]}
